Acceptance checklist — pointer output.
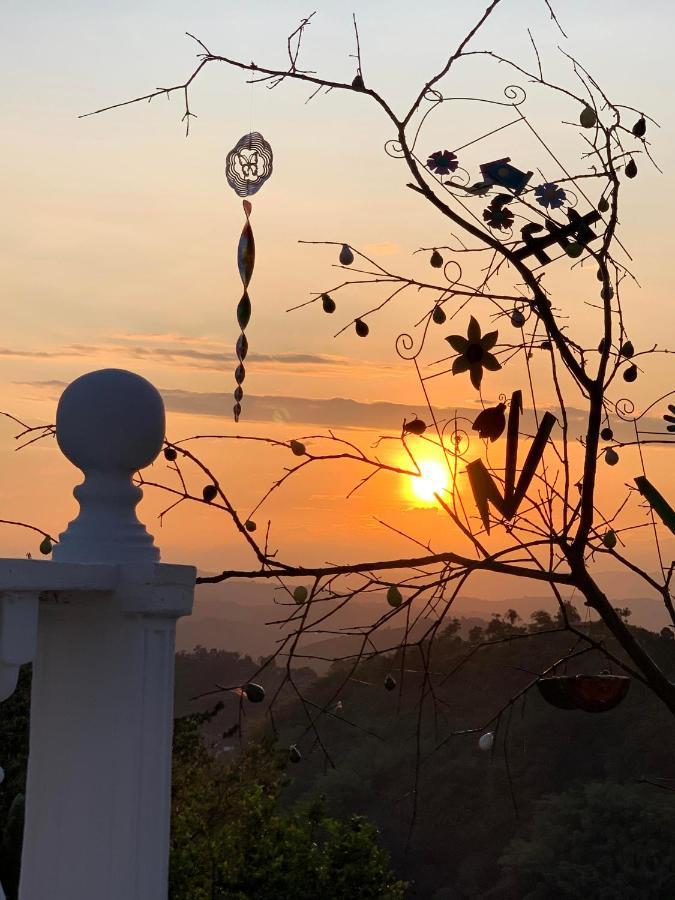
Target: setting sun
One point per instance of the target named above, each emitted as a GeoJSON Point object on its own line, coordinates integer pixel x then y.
{"type": "Point", "coordinates": [433, 480]}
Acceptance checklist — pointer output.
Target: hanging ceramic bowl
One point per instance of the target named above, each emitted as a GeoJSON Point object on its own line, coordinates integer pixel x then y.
{"type": "Point", "coordinates": [592, 693]}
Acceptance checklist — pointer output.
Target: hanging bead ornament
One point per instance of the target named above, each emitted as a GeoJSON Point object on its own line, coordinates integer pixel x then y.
{"type": "Point", "coordinates": [631, 373]}
{"type": "Point", "coordinates": [640, 128]}
{"type": "Point", "coordinates": [611, 456]}
{"type": "Point", "coordinates": [346, 256]}
{"type": "Point", "coordinates": [588, 117]}
{"type": "Point", "coordinates": [247, 168]}
{"type": "Point", "coordinates": [631, 169]}
{"type": "Point", "coordinates": [328, 304]}
{"type": "Point", "coordinates": [486, 741]}
{"type": "Point", "coordinates": [518, 318]}
{"type": "Point", "coordinates": [394, 596]}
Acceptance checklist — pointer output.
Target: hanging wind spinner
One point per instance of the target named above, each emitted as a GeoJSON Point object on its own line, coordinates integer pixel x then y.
{"type": "Point", "coordinates": [247, 167]}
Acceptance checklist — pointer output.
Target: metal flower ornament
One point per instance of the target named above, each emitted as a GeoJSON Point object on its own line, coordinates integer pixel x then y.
{"type": "Point", "coordinates": [442, 162]}
{"type": "Point", "coordinates": [474, 352]}
{"type": "Point", "coordinates": [497, 215]}
{"type": "Point", "coordinates": [247, 167]}
{"type": "Point", "coordinates": [550, 195]}
{"type": "Point", "coordinates": [670, 419]}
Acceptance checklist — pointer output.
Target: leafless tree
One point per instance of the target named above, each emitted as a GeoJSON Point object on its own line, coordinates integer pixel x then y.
{"type": "Point", "coordinates": [540, 518]}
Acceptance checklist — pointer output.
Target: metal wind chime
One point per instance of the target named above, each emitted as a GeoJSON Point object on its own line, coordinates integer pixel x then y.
{"type": "Point", "coordinates": [248, 166]}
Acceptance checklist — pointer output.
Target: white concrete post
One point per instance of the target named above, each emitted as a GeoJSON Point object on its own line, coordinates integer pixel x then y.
{"type": "Point", "coordinates": [98, 791]}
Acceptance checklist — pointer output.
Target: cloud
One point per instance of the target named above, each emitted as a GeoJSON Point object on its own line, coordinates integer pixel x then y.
{"type": "Point", "coordinates": [343, 412]}
{"type": "Point", "coordinates": [164, 337]}
{"type": "Point", "coordinates": [6, 353]}
{"type": "Point", "coordinates": [336, 412]}
{"type": "Point", "coordinates": [333, 413]}
{"type": "Point", "coordinates": [192, 358]}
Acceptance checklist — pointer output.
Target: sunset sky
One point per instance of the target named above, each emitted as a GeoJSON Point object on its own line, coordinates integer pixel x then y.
{"type": "Point", "coordinates": [118, 237]}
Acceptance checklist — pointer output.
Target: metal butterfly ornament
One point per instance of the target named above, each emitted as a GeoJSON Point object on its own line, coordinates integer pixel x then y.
{"type": "Point", "coordinates": [247, 168]}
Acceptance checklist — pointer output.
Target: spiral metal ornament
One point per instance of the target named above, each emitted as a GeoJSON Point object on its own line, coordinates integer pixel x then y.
{"type": "Point", "coordinates": [446, 272]}
{"type": "Point", "coordinates": [405, 343]}
{"type": "Point", "coordinates": [394, 149]}
{"type": "Point", "coordinates": [405, 346]}
{"type": "Point", "coordinates": [572, 199]}
{"type": "Point", "coordinates": [459, 177]}
{"type": "Point", "coordinates": [625, 408]}
{"type": "Point", "coordinates": [516, 94]}
{"type": "Point", "coordinates": [249, 164]}
{"type": "Point", "coordinates": [247, 167]}
{"type": "Point", "coordinates": [246, 264]}
{"type": "Point", "coordinates": [459, 438]}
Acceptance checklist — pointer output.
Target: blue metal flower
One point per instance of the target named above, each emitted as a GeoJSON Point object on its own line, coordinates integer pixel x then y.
{"type": "Point", "coordinates": [550, 195]}
{"type": "Point", "coordinates": [442, 162]}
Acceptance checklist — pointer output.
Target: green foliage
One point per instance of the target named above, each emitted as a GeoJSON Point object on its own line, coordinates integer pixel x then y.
{"type": "Point", "coordinates": [241, 830]}
{"type": "Point", "coordinates": [541, 620]}
{"type": "Point", "coordinates": [573, 616]}
{"type": "Point", "coordinates": [14, 721]}
{"type": "Point", "coordinates": [199, 670]}
{"type": "Point", "coordinates": [600, 840]}
{"type": "Point", "coordinates": [465, 814]}
{"type": "Point", "coordinates": [231, 841]}
{"type": "Point", "coordinates": [12, 841]}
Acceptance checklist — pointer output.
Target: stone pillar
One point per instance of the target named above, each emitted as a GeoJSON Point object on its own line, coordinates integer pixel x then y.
{"type": "Point", "coordinates": [99, 771]}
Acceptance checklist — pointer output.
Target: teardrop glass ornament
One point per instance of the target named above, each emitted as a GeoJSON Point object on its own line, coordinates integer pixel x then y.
{"type": "Point", "coordinates": [361, 328]}
{"type": "Point", "coordinates": [588, 118]}
{"type": "Point", "coordinates": [346, 255]}
{"type": "Point", "coordinates": [640, 127]}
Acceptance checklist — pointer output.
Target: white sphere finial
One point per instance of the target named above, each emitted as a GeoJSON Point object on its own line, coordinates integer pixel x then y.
{"type": "Point", "coordinates": [109, 424]}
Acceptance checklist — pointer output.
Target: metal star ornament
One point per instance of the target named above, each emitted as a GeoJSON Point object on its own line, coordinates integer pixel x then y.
{"type": "Point", "coordinates": [474, 352]}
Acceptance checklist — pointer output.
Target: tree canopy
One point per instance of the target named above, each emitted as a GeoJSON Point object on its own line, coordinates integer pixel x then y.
{"type": "Point", "coordinates": [597, 840]}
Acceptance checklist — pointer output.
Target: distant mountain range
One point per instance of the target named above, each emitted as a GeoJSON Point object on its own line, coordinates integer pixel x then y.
{"type": "Point", "coordinates": [247, 617]}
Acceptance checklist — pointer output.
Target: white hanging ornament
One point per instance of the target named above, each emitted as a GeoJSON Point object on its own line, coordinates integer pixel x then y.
{"type": "Point", "coordinates": [486, 741]}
